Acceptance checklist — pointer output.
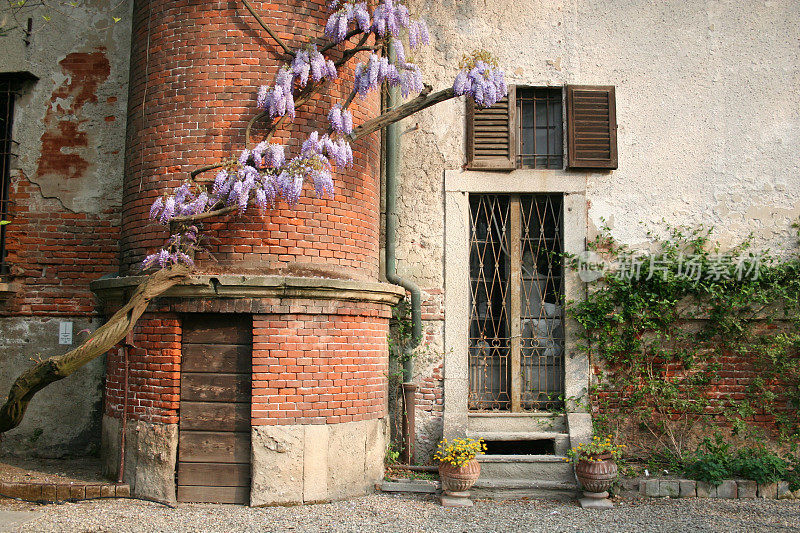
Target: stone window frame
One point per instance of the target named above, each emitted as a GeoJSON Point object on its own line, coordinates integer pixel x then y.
{"type": "Point", "coordinates": [458, 185]}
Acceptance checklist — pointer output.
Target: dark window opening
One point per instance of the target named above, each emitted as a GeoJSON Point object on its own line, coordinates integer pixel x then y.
{"type": "Point", "coordinates": [520, 447]}
{"type": "Point", "coordinates": [8, 85]}
{"type": "Point", "coordinates": [540, 124]}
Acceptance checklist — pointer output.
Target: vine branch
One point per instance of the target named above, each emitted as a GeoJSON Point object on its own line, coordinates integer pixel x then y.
{"type": "Point", "coordinates": [109, 334]}
{"type": "Point", "coordinates": [264, 25]}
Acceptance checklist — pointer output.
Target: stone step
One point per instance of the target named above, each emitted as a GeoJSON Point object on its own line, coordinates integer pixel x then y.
{"type": "Point", "coordinates": [505, 489]}
{"type": "Point", "coordinates": [560, 440]}
{"type": "Point", "coordinates": [531, 467]}
{"type": "Point", "coordinates": [533, 421]}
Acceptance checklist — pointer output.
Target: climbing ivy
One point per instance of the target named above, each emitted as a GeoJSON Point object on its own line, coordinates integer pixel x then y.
{"type": "Point", "coordinates": [685, 340]}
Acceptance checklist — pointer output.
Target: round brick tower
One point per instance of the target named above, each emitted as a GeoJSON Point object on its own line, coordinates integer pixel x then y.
{"type": "Point", "coordinates": [264, 379]}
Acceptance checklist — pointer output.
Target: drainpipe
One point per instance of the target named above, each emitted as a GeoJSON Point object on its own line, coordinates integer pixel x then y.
{"type": "Point", "coordinates": [127, 343]}
{"type": "Point", "coordinates": [392, 164]}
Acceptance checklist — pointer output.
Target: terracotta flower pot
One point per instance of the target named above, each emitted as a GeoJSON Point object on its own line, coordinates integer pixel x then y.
{"type": "Point", "coordinates": [598, 474]}
{"type": "Point", "coordinates": [459, 478]}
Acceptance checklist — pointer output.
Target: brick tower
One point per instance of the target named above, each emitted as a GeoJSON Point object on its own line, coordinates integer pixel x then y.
{"type": "Point", "coordinates": [264, 379]}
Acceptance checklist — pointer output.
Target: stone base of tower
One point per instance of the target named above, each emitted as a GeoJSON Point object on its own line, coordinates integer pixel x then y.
{"type": "Point", "coordinates": [316, 463]}
{"type": "Point", "coordinates": [251, 389]}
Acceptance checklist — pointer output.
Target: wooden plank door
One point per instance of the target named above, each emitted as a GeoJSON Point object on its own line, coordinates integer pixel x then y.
{"type": "Point", "coordinates": [214, 430]}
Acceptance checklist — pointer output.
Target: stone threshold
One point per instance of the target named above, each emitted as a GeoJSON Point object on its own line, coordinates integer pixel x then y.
{"type": "Point", "coordinates": [741, 489]}
{"type": "Point", "coordinates": [58, 492]}
{"type": "Point", "coordinates": [420, 486]}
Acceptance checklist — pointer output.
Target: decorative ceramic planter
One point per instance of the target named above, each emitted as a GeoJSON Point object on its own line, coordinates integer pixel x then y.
{"type": "Point", "coordinates": [459, 479]}
{"type": "Point", "coordinates": [597, 475]}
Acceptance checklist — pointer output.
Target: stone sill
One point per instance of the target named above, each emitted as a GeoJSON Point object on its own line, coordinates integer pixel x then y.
{"type": "Point", "coordinates": [688, 488]}
{"type": "Point", "coordinates": [418, 486]}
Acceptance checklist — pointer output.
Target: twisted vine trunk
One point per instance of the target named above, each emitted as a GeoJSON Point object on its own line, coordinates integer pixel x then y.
{"type": "Point", "coordinates": [109, 334]}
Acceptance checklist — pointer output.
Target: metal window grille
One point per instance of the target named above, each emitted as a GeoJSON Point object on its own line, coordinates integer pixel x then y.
{"type": "Point", "coordinates": [516, 333]}
{"type": "Point", "coordinates": [8, 85]}
{"type": "Point", "coordinates": [541, 127]}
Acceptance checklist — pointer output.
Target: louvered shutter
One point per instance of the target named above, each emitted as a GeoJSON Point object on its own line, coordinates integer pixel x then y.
{"type": "Point", "coordinates": [491, 135]}
{"type": "Point", "coordinates": [591, 127]}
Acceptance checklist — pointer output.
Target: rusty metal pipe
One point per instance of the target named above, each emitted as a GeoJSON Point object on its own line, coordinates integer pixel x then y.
{"type": "Point", "coordinates": [409, 421]}
{"type": "Point", "coordinates": [124, 425]}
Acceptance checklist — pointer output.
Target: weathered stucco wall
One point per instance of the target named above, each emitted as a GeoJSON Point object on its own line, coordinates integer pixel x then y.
{"type": "Point", "coordinates": [64, 417]}
{"type": "Point", "coordinates": [707, 103]}
{"type": "Point", "coordinates": [66, 179]}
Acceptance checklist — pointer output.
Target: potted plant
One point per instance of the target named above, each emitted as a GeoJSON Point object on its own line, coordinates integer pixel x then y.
{"type": "Point", "coordinates": [458, 468]}
{"type": "Point", "coordinates": [595, 466]}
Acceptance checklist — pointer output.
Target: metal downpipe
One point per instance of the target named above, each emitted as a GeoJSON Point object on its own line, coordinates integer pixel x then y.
{"type": "Point", "coordinates": [392, 165]}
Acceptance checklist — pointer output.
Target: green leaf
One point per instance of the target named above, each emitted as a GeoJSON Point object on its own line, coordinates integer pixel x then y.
{"type": "Point", "coordinates": [4, 222]}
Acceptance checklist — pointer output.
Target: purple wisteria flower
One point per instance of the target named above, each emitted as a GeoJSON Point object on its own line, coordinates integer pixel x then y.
{"type": "Point", "coordinates": [339, 152]}
{"type": "Point", "coordinates": [371, 75]}
{"type": "Point", "coordinates": [221, 184]}
{"type": "Point", "coordinates": [480, 78]}
{"type": "Point", "coordinates": [390, 16]}
{"type": "Point", "coordinates": [177, 251]}
{"type": "Point", "coordinates": [311, 62]}
{"type": "Point", "coordinates": [279, 100]}
{"type": "Point", "coordinates": [418, 33]}
{"type": "Point", "coordinates": [268, 155]}
{"type": "Point", "coordinates": [341, 120]}
{"type": "Point", "coordinates": [345, 13]}
{"type": "Point", "coordinates": [290, 186]}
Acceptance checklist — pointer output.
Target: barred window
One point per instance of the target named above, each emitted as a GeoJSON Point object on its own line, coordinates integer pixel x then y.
{"type": "Point", "coordinates": [541, 138]}
{"type": "Point", "coordinates": [8, 85]}
{"type": "Point", "coordinates": [516, 333]}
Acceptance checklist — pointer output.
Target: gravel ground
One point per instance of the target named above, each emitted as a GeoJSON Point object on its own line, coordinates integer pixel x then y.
{"type": "Point", "coordinates": [382, 512]}
{"type": "Point", "coordinates": [86, 469]}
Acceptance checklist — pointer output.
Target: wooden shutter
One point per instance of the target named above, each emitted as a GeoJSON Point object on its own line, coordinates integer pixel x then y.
{"type": "Point", "coordinates": [591, 127]}
{"type": "Point", "coordinates": [491, 134]}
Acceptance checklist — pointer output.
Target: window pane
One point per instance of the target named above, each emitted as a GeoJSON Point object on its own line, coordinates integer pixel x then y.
{"type": "Point", "coordinates": [489, 337]}
{"type": "Point", "coordinates": [541, 140]}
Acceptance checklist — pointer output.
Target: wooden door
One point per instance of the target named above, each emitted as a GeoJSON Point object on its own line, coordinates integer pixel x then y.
{"type": "Point", "coordinates": [214, 430]}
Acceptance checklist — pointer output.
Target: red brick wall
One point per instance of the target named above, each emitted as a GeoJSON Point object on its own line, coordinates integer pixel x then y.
{"type": "Point", "coordinates": [314, 362]}
{"type": "Point", "coordinates": [153, 371]}
{"type": "Point", "coordinates": [430, 394]}
{"type": "Point", "coordinates": [317, 369]}
{"type": "Point", "coordinates": [193, 90]}
{"type": "Point", "coordinates": [735, 376]}
{"type": "Point", "coordinates": [54, 254]}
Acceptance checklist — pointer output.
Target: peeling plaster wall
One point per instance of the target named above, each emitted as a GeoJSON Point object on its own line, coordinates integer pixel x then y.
{"type": "Point", "coordinates": [70, 126]}
{"type": "Point", "coordinates": [708, 109]}
{"type": "Point", "coordinates": [66, 181]}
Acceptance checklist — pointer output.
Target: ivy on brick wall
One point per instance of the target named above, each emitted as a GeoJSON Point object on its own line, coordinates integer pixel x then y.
{"type": "Point", "coordinates": [686, 340]}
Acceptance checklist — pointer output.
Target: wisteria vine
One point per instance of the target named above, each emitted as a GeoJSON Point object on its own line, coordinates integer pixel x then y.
{"type": "Point", "coordinates": [263, 175]}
